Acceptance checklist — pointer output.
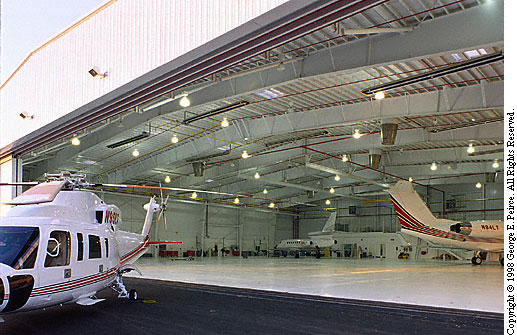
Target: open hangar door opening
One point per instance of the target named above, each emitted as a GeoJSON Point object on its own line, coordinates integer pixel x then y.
{"type": "Point", "coordinates": [288, 128]}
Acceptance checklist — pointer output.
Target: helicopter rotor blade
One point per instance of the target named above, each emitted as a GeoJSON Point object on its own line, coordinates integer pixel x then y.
{"type": "Point", "coordinates": [21, 183]}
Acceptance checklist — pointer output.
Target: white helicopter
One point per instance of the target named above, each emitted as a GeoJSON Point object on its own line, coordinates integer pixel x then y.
{"type": "Point", "coordinates": [60, 244]}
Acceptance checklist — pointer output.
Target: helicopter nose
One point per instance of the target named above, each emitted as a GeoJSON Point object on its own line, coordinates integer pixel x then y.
{"type": "Point", "coordinates": [4, 286]}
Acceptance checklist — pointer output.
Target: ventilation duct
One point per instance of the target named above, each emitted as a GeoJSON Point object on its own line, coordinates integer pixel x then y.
{"type": "Point", "coordinates": [199, 168]}
{"type": "Point", "coordinates": [490, 177]}
{"type": "Point", "coordinates": [388, 133]}
{"type": "Point", "coordinates": [375, 158]}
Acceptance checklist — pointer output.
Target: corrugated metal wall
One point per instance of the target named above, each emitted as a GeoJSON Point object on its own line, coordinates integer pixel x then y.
{"type": "Point", "coordinates": [127, 38]}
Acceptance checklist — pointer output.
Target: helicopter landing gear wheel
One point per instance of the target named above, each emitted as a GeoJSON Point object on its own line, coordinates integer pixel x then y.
{"type": "Point", "coordinates": [133, 294]}
{"type": "Point", "coordinates": [476, 260]}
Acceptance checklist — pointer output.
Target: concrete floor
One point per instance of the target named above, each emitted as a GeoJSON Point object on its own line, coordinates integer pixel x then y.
{"type": "Point", "coordinates": [449, 284]}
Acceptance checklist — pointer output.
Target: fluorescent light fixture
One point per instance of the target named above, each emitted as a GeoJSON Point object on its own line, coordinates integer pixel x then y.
{"type": "Point", "coordinates": [184, 102]}
{"type": "Point", "coordinates": [440, 72]}
{"type": "Point", "coordinates": [257, 175]}
{"type": "Point", "coordinates": [478, 185]}
{"type": "Point", "coordinates": [379, 95]}
{"type": "Point", "coordinates": [209, 180]}
{"type": "Point", "coordinates": [457, 57]}
{"type": "Point", "coordinates": [245, 154]}
{"type": "Point", "coordinates": [157, 104]}
{"type": "Point", "coordinates": [337, 178]}
{"type": "Point", "coordinates": [75, 140]}
{"type": "Point", "coordinates": [167, 179]}
{"type": "Point", "coordinates": [143, 135]}
{"type": "Point", "coordinates": [434, 166]}
{"type": "Point", "coordinates": [225, 123]}
{"type": "Point", "coordinates": [332, 190]}
{"type": "Point", "coordinates": [471, 148]}
{"type": "Point", "coordinates": [215, 111]}
{"type": "Point", "coordinates": [174, 139]}
{"type": "Point", "coordinates": [136, 153]}
{"type": "Point", "coordinates": [270, 93]}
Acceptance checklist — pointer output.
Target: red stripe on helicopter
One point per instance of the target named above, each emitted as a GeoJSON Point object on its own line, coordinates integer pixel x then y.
{"type": "Point", "coordinates": [73, 284]}
{"type": "Point", "coordinates": [127, 257]}
{"type": "Point", "coordinates": [411, 223]}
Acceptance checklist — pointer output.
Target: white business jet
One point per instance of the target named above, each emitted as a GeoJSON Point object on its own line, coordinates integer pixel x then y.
{"type": "Point", "coordinates": [417, 220]}
{"type": "Point", "coordinates": [317, 240]}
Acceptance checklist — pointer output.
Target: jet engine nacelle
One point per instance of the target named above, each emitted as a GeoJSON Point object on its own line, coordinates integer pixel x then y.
{"type": "Point", "coordinates": [485, 229]}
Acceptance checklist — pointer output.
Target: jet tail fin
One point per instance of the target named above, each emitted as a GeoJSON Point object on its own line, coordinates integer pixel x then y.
{"type": "Point", "coordinates": [410, 208]}
{"type": "Point", "coordinates": [330, 225]}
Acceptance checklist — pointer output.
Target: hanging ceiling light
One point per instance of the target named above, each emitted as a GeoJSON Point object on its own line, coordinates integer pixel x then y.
{"type": "Point", "coordinates": [478, 185]}
{"type": "Point", "coordinates": [410, 179]}
{"type": "Point", "coordinates": [345, 158]}
{"type": "Point", "coordinates": [174, 139]}
{"type": "Point", "coordinates": [167, 179]}
{"type": "Point", "coordinates": [271, 205]}
{"type": "Point", "coordinates": [257, 175]}
{"type": "Point", "coordinates": [236, 201]}
{"type": "Point", "coordinates": [327, 202]}
{"type": "Point", "coordinates": [495, 164]}
{"type": "Point", "coordinates": [225, 123]}
{"type": "Point", "coordinates": [434, 166]}
{"type": "Point", "coordinates": [379, 95]}
{"type": "Point", "coordinates": [337, 178]}
{"type": "Point", "coordinates": [136, 153]}
{"type": "Point", "coordinates": [194, 195]}
{"type": "Point", "coordinates": [265, 191]}
{"type": "Point", "coordinates": [245, 154]}
{"type": "Point", "coordinates": [357, 134]}
{"type": "Point", "coordinates": [75, 140]}
{"type": "Point", "coordinates": [471, 148]}
{"type": "Point", "coordinates": [184, 102]}
{"type": "Point", "coordinates": [332, 190]}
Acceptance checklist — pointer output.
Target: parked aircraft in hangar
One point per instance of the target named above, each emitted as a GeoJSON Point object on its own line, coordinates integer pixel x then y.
{"type": "Point", "coordinates": [417, 220]}
{"type": "Point", "coordinates": [317, 240]}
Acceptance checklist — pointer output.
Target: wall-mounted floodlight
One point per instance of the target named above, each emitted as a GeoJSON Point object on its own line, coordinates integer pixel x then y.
{"type": "Point", "coordinates": [95, 72]}
{"type": "Point", "coordinates": [26, 116]}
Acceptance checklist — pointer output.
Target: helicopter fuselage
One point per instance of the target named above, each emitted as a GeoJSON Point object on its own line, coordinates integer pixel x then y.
{"type": "Point", "coordinates": [62, 251]}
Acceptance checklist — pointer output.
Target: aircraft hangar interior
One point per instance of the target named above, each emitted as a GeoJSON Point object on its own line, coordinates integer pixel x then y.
{"type": "Point", "coordinates": [256, 121]}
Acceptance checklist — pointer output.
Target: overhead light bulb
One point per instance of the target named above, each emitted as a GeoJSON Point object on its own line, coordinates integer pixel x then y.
{"type": "Point", "coordinates": [345, 158]}
{"type": "Point", "coordinates": [136, 153]}
{"type": "Point", "coordinates": [271, 205]}
{"type": "Point", "coordinates": [184, 102]}
{"type": "Point", "coordinates": [265, 191]}
{"type": "Point", "coordinates": [337, 178]}
{"type": "Point", "coordinates": [410, 179]}
{"type": "Point", "coordinates": [379, 95]}
{"type": "Point", "coordinates": [245, 154]}
{"type": "Point", "coordinates": [75, 140]}
{"type": "Point", "coordinates": [225, 123]}
{"type": "Point", "coordinates": [236, 201]}
{"type": "Point", "coordinates": [174, 139]}
{"type": "Point", "coordinates": [167, 179]}
{"type": "Point", "coordinates": [257, 175]}
{"type": "Point", "coordinates": [327, 202]}
{"type": "Point", "coordinates": [332, 190]}
{"type": "Point", "coordinates": [194, 195]}
{"type": "Point", "coordinates": [478, 185]}
{"type": "Point", "coordinates": [495, 164]}
{"type": "Point", "coordinates": [357, 134]}
{"type": "Point", "coordinates": [434, 166]}
{"type": "Point", "coordinates": [471, 148]}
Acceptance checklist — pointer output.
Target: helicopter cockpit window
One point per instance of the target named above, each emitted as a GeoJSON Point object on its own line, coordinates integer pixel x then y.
{"type": "Point", "coordinates": [58, 249]}
{"type": "Point", "coordinates": [19, 246]}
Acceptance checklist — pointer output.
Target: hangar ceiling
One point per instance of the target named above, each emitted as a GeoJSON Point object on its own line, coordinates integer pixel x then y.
{"type": "Point", "coordinates": [303, 103]}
